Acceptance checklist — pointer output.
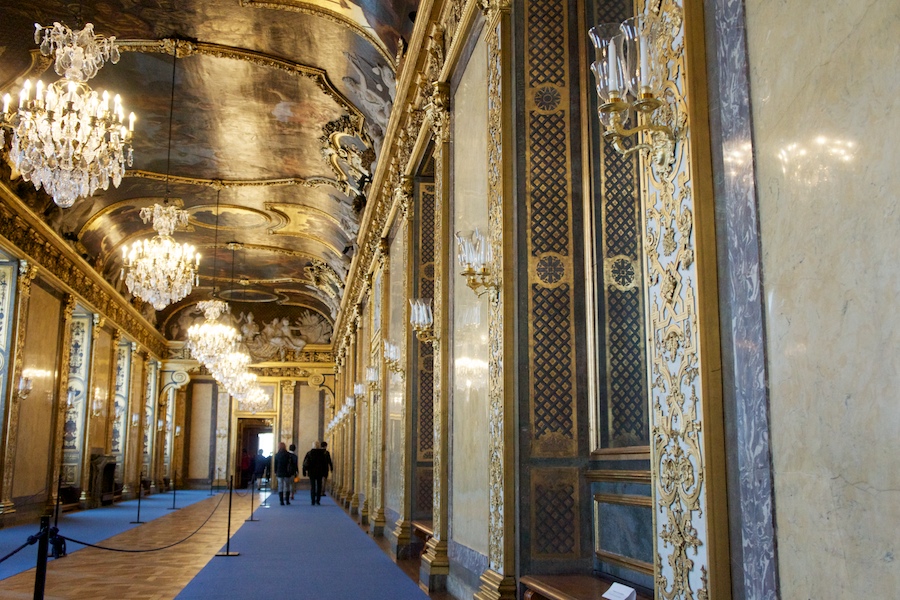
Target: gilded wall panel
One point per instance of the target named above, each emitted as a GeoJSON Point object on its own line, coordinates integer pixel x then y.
{"type": "Point", "coordinates": [201, 413]}
{"type": "Point", "coordinates": [35, 419]}
{"type": "Point", "coordinates": [549, 242]}
{"type": "Point", "coordinates": [100, 384]}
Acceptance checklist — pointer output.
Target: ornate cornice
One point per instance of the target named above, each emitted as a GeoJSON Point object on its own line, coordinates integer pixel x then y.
{"type": "Point", "coordinates": [309, 8]}
{"type": "Point", "coordinates": [185, 48]}
{"type": "Point", "coordinates": [33, 238]}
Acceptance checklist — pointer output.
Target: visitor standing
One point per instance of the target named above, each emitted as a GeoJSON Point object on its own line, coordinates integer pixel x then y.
{"type": "Point", "coordinates": [293, 450]}
{"type": "Point", "coordinates": [314, 467]}
{"type": "Point", "coordinates": [285, 469]}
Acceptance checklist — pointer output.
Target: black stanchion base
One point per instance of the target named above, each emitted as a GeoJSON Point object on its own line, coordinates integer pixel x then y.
{"type": "Point", "coordinates": [228, 554]}
{"type": "Point", "coordinates": [137, 522]}
{"type": "Point", "coordinates": [173, 508]}
{"type": "Point", "coordinates": [251, 520]}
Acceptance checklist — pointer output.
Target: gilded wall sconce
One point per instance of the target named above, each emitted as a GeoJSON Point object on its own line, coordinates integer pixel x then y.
{"type": "Point", "coordinates": [629, 72]}
{"type": "Point", "coordinates": [26, 384]}
{"type": "Point", "coordinates": [392, 358]}
{"type": "Point", "coordinates": [372, 377]}
{"type": "Point", "coordinates": [474, 255]}
{"type": "Point", "coordinates": [421, 317]}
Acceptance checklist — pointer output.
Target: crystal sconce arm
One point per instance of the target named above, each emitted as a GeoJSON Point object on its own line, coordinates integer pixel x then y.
{"type": "Point", "coordinates": [26, 384]}
{"type": "Point", "coordinates": [421, 317]}
{"type": "Point", "coordinates": [474, 255]}
{"type": "Point", "coordinates": [629, 72]}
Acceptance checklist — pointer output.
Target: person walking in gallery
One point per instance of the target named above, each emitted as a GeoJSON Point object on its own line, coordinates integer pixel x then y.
{"type": "Point", "coordinates": [246, 468]}
{"type": "Point", "coordinates": [260, 467]}
{"type": "Point", "coordinates": [293, 450]}
{"type": "Point", "coordinates": [315, 467]}
{"type": "Point", "coordinates": [285, 469]}
{"type": "Point", "coordinates": [329, 466]}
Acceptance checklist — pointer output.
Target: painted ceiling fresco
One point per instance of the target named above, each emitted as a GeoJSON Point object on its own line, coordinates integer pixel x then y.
{"type": "Point", "coordinates": [277, 115]}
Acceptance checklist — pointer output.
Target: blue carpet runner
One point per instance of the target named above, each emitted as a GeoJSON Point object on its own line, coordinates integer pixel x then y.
{"type": "Point", "coordinates": [302, 552]}
{"type": "Point", "coordinates": [90, 526]}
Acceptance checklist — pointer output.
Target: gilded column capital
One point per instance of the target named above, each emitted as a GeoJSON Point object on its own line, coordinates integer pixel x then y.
{"type": "Point", "coordinates": [384, 251]}
{"type": "Point", "coordinates": [439, 111]}
{"type": "Point", "coordinates": [403, 195]}
{"type": "Point", "coordinates": [493, 9]}
{"type": "Point", "coordinates": [287, 386]}
{"type": "Point", "coordinates": [117, 338]}
{"type": "Point", "coordinates": [99, 321]}
{"type": "Point", "coordinates": [27, 273]}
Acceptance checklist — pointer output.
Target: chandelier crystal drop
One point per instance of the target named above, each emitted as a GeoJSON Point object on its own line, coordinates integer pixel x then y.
{"type": "Point", "coordinates": [211, 339]}
{"type": "Point", "coordinates": [68, 138]}
{"type": "Point", "coordinates": [161, 271]}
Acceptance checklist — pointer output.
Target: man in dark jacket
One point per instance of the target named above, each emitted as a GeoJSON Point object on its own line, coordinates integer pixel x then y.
{"type": "Point", "coordinates": [285, 469]}
{"type": "Point", "coordinates": [315, 465]}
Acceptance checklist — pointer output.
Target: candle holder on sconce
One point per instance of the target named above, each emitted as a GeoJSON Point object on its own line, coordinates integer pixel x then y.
{"type": "Point", "coordinates": [629, 71]}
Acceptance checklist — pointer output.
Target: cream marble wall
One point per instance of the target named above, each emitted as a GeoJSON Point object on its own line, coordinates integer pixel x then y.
{"type": "Point", "coordinates": [826, 119]}
{"type": "Point", "coordinates": [469, 464]}
{"type": "Point", "coordinates": [40, 356]}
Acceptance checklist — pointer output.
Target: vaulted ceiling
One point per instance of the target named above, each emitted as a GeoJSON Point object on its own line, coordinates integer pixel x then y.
{"type": "Point", "coordinates": [276, 120]}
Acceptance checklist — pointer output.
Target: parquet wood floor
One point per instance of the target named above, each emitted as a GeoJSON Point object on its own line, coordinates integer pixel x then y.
{"type": "Point", "coordinates": [104, 575]}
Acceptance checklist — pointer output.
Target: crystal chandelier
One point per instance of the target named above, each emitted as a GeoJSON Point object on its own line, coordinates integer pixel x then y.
{"type": "Point", "coordinates": [211, 339]}
{"type": "Point", "coordinates": [68, 138]}
{"type": "Point", "coordinates": [160, 270]}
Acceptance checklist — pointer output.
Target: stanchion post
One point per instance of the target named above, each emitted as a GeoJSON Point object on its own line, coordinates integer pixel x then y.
{"type": "Point", "coordinates": [174, 487]}
{"type": "Point", "coordinates": [140, 492]}
{"type": "Point", "coordinates": [58, 497]}
{"type": "Point", "coordinates": [265, 502]}
{"type": "Point", "coordinates": [212, 480]}
{"type": "Point", "coordinates": [228, 551]}
{"type": "Point", "coordinates": [40, 571]}
{"type": "Point", "coordinates": [251, 519]}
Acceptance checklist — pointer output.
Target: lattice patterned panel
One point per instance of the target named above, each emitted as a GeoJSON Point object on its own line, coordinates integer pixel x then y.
{"type": "Point", "coordinates": [553, 409]}
{"type": "Point", "coordinates": [548, 140]}
{"type": "Point", "coordinates": [621, 226]}
{"type": "Point", "coordinates": [424, 492]}
{"type": "Point", "coordinates": [627, 394]}
{"type": "Point", "coordinates": [546, 27]}
{"type": "Point", "coordinates": [555, 513]}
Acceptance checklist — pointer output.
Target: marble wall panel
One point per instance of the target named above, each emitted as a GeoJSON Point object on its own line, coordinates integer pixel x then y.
{"type": "Point", "coordinates": [469, 461]}
{"type": "Point", "coordinates": [308, 418]}
{"type": "Point", "coordinates": [39, 361]}
{"type": "Point", "coordinates": [394, 479]}
{"type": "Point", "coordinates": [201, 417]}
{"type": "Point", "coordinates": [824, 98]}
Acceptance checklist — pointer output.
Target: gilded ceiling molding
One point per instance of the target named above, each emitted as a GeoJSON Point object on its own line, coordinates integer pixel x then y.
{"type": "Point", "coordinates": [308, 8]}
{"type": "Point", "coordinates": [185, 48]}
{"type": "Point", "coordinates": [223, 184]}
{"type": "Point", "coordinates": [34, 238]}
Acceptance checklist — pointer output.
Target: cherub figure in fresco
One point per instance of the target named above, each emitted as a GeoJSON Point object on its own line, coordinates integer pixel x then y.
{"type": "Point", "coordinates": [377, 100]}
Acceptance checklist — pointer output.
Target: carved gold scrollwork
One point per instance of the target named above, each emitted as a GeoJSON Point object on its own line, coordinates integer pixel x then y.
{"type": "Point", "coordinates": [677, 446]}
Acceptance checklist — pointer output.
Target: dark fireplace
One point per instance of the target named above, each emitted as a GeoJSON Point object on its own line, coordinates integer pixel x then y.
{"type": "Point", "coordinates": [103, 479]}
